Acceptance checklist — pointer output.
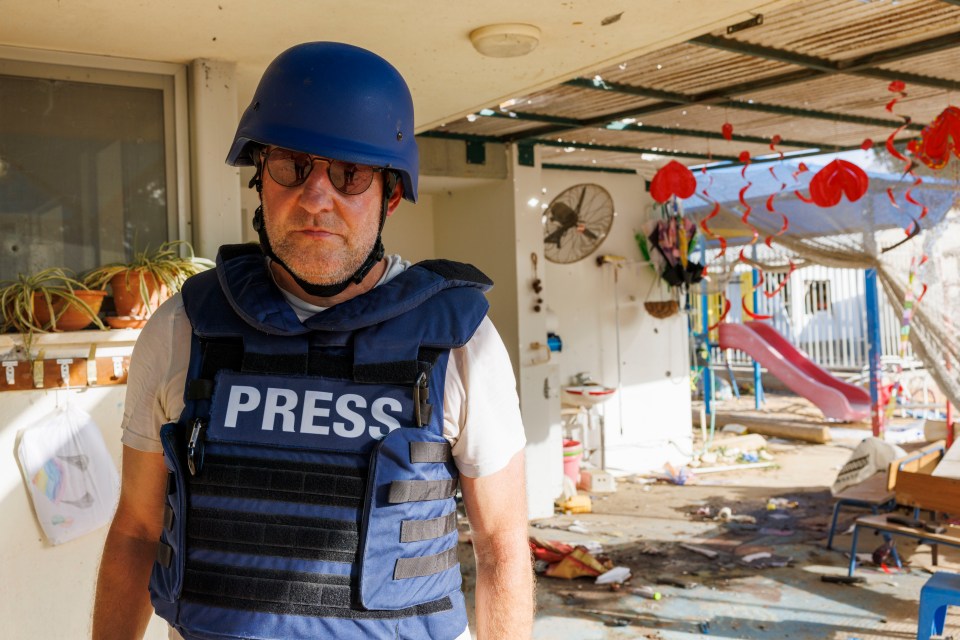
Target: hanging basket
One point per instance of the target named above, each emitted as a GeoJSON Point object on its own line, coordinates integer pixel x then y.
{"type": "Point", "coordinates": [661, 308]}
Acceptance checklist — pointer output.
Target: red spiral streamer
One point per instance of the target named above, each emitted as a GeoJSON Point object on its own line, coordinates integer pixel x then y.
{"type": "Point", "coordinates": [898, 86]}
{"type": "Point", "coordinates": [723, 316]}
{"type": "Point", "coordinates": [783, 283]}
{"type": "Point", "coordinates": [753, 316]}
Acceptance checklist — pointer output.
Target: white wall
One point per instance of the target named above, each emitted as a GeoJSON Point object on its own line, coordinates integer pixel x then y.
{"type": "Point", "coordinates": [409, 231]}
{"type": "Point", "coordinates": [47, 591]}
{"type": "Point", "coordinates": [654, 372]}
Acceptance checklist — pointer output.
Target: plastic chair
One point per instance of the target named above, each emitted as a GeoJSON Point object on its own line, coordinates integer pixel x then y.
{"type": "Point", "coordinates": [940, 591]}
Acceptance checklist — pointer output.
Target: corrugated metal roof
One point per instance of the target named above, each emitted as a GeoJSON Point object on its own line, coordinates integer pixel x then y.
{"type": "Point", "coordinates": [815, 72]}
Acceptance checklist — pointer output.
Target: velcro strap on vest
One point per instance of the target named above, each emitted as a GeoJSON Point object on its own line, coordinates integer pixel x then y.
{"type": "Point", "coordinates": [286, 593]}
{"type": "Point", "coordinates": [232, 476]}
{"type": "Point", "coordinates": [273, 535]}
{"type": "Point", "coordinates": [420, 490]}
{"type": "Point", "coordinates": [167, 517]}
{"type": "Point", "coordinates": [430, 452]}
{"type": "Point", "coordinates": [425, 566]}
{"type": "Point", "coordinates": [417, 530]}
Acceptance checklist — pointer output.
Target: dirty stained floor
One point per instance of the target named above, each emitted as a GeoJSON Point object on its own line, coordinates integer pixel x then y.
{"type": "Point", "coordinates": [641, 526]}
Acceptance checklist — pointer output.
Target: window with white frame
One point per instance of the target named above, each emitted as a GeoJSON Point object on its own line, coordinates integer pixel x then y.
{"type": "Point", "coordinates": [818, 296]}
{"type": "Point", "coordinates": [88, 165]}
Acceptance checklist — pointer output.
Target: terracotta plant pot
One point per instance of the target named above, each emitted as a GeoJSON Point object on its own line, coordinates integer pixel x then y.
{"type": "Point", "coordinates": [74, 317]}
{"type": "Point", "coordinates": [127, 296]}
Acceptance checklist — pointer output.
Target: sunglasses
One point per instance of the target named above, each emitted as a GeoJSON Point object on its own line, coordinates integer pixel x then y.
{"type": "Point", "coordinates": [292, 168]}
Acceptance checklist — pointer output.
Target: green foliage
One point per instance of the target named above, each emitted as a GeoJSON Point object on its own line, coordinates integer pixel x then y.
{"type": "Point", "coordinates": [165, 264]}
{"type": "Point", "coordinates": [17, 300]}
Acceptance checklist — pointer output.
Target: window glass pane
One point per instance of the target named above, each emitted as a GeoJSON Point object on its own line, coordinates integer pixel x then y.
{"type": "Point", "coordinates": [82, 174]}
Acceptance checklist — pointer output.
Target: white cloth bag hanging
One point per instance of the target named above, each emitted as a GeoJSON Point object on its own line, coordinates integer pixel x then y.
{"type": "Point", "coordinates": [70, 475]}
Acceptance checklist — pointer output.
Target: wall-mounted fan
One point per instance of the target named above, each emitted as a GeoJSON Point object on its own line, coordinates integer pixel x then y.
{"type": "Point", "coordinates": [576, 223]}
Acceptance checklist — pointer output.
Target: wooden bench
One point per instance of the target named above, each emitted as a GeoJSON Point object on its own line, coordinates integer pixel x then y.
{"type": "Point", "coordinates": [915, 486]}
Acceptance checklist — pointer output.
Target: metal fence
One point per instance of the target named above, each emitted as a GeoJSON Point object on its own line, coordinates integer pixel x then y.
{"type": "Point", "coordinates": [820, 309]}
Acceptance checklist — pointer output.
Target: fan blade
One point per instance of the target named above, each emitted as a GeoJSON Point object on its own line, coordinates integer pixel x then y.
{"type": "Point", "coordinates": [556, 236]}
{"type": "Point", "coordinates": [590, 234]}
{"type": "Point", "coordinates": [583, 192]}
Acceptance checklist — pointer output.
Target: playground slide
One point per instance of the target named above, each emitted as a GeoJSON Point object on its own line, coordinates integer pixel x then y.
{"type": "Point", "coordinates": [838, 400]}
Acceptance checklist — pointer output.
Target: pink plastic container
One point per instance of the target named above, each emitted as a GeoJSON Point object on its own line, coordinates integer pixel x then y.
{"type": "Point", "coordinates": [572, 454]}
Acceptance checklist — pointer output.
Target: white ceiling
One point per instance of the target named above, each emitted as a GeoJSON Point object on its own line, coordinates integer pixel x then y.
{"type": "Point", "coordinates": [426, 39]}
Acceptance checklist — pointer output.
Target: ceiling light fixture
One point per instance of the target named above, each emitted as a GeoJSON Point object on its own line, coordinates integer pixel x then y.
{"type": "Point", "coordinates": [507, 40]}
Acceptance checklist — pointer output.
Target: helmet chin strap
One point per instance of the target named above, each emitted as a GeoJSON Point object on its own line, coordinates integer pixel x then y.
{"type": "Point", "coordinates": [326, 290]}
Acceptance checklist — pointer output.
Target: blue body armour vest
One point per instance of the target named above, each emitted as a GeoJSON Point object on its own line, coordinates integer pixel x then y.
{"type": "Point", "coordinates": [310, 490]}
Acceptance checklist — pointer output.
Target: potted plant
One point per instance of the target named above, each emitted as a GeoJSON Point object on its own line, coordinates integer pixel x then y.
{"type": "Point", "coordinates": [49, 300]}
{"type": "Point", "coordinates": [141, 285]}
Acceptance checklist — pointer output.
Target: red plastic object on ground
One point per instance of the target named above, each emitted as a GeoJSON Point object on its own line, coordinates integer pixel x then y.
{"type": "Point", "coordinates": [838, 400]}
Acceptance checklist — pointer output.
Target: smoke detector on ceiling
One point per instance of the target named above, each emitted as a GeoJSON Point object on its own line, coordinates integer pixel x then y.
{"type": "Point", "coordinates": [505, 40]}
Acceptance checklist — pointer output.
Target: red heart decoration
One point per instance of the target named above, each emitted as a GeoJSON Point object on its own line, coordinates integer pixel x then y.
{"type": "Point", "coordinates": [672, 179]}
{"type": "Point", "coordinates": [727, 131]}
{"type": "Point", "coordinates": [897, 85]}
{"type": "Point", "coordinates": [938, 139]}
{"type": "Point", "coordinates": [745, 157]}
{"type": "Point", "coordinates": [866, 144]}
{"type": "Point", "coordinates": [837, 179]}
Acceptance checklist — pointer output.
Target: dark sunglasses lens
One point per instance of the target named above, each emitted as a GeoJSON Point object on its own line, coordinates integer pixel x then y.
{"type": "Point", "coordinates": [351, 179]}
{"type": "Point", "coordinates": [288, 168]}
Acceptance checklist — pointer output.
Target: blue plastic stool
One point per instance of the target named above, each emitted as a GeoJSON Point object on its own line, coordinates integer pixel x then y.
{"type": "Point", "coordinates": [940, 591]}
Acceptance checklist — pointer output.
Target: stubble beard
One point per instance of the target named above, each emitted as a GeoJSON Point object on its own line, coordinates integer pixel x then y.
{"type": "Point", "coordinates": [324, 266]}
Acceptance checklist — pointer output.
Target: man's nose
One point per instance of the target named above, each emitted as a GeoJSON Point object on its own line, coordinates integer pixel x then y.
{"type": "Point", "coordinates": [317, 193]}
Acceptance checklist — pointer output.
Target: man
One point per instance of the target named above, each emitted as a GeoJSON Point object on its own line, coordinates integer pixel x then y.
{"type": "Point", "coordinates": [321, 399]}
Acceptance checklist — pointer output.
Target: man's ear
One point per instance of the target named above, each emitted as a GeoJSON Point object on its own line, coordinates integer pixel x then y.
{"type": "Point", "coordinates": [395, 198]}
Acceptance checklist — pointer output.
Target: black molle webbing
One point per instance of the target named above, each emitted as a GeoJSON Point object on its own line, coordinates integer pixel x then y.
{"type": "Point", "coordinates": [290, 363]}
{"type": "Point", "coordinates": [225, 353]}
{"type": "Point", "coordinates": [273, 535]}
{"type": "Point", "coordinates": [426, 565]}
{"type": "Point", "coordinates": [167, 517]}
{"type": "Point", "coordinates": [286, 592]}
{"type": "Point", "coordinates": [420, 490]}
{"type": "Point", "coordinates": [263, 479]}
{"type": "Point", "coordinates": [171, 483]}
{"type": "Point", "coordinates": [164, 554]}
{"type": "Point", "coordinates": [199, 389]}
{"type": "Point", "coordinates": [229, 353]}
{"type": "Point", "coordinates": [430, 452]}
{"type": "Point", "coordinates": [402, 372]}
{"type": "Point", "coordinates": [417, 530]}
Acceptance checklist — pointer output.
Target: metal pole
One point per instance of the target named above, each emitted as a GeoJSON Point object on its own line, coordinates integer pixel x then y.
{"type": "Point", "coordinates": [757, 382]}
{"type": "Point", "coordinates": [705, 326]}
{"type": "Point", "coordinates": [876, 349]}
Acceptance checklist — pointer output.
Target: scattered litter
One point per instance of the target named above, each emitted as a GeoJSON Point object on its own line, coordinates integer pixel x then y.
{"type": "Point", "coordinates": [646, 592]}
{"type": "Point", "coordinates": [750, 456]}
{"type": "Point", "coordinates": [641, 480]}
{"type": "Point", "coordinates": [677, 476]}
{"type": "Point", "coordinates": [736, 467]}
{"type": "Point", "coordinates": [781, 503]}
{"type": "Point", "coordinates": [566, 561]}
{"type": "Point", "coordinates": [676, 582]}
{"type": "Point", "coordinates": [733, 427]}
{"type": "Point", "coordinates": [770, 531]}
{"type": "Point", "coordinates": [764, 560]}
{"type": "Point", "coordinates": [650, 550]}
{"type": "Point", "coordinates": [704, 552]}
{"type": "Point", "coordinates": [705, 512]}
{"type": "Point", "coordinates": [577, 504]}
{"type": "Point", "coordinates": [704, 628]}
{"type": "Point", "coordinates": [617, 575]}
{"type": "Point", "coordinates": [843, 579]}
{"type": "Point", "coordinates": [578, 528]}
{"type": "Point", "coordinates": [725, 514]}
